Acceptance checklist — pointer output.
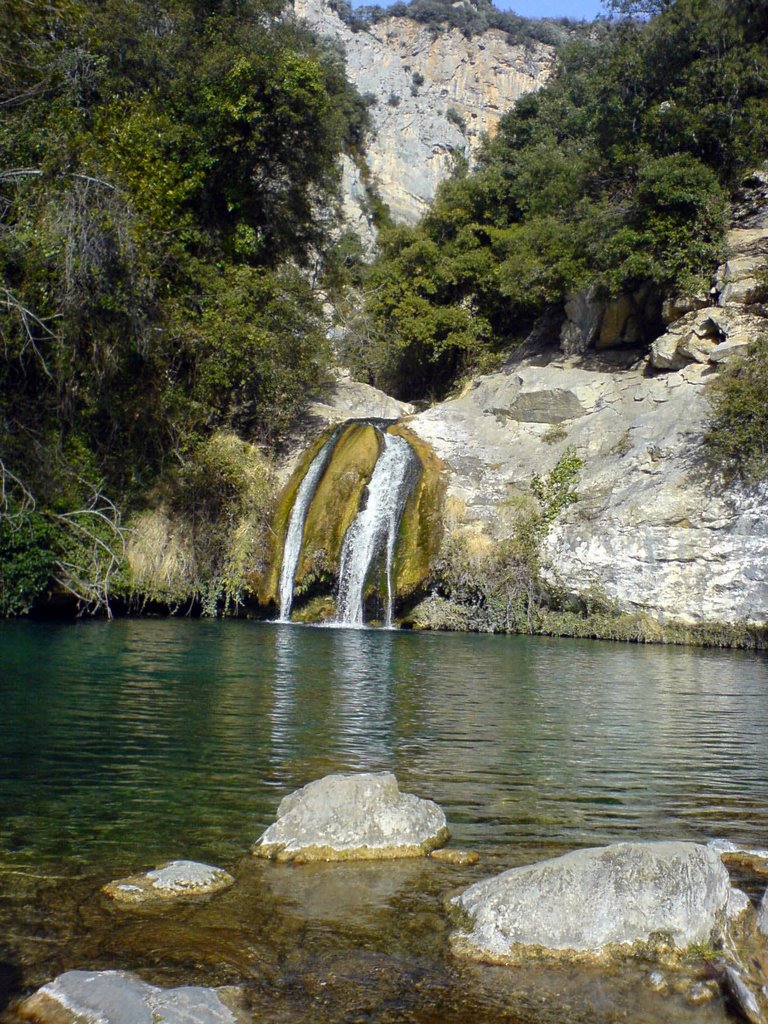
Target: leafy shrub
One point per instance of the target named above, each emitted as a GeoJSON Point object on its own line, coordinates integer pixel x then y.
{"type": "Point", "coordinates": [27, 561]}
{"type": "Point", "coordinates": [455, 117]}
{"type": "Point", "coordinates": [737, 438]}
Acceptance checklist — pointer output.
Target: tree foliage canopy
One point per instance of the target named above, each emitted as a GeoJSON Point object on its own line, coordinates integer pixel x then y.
{"type": "Point", "coordinates": [166, 169]}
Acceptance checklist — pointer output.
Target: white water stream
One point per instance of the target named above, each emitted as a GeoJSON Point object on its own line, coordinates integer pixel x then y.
{"type": "Point", "coordinates": [374, 530]}
{"type": "Point", "coordinates": [298, 517]}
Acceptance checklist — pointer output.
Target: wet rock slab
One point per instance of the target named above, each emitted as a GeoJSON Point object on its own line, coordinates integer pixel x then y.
{"type": "Point", "coordinates": [597, 902]}
{"type": "Point", "coordinates": [353, 817]}
{"type": "Point", "coordinates": [176, 880]}
{"type": "Point", "coordinates": [117, 997]}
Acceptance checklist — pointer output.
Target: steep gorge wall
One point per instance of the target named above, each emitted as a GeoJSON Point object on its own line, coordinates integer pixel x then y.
{"type": "Point", "coordinates": [436, 94]}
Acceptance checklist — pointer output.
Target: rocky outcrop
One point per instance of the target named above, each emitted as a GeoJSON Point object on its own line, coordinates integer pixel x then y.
{"type": "Point", "coordinates": [353, 817]}
{"type": "Point", "coordinates": [347, 399]}
{"type": "Point", "coordinates": [743, 278]}
{"type": "Point", "coordinates": [179, 879]}
{"type": "Point", "coordinates": [435, 93]}
{"type": "Point", "coordinates": [653, 529]}
{"type": "Point", "coordinates": [711, 335]}
{"type": "Point", "coordinates": [588, 903]}
{"type": "Point", "coordinates": [117, 997]}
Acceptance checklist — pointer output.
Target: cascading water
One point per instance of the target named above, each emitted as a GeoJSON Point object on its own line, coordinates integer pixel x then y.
{"type": "Point", "coordinates": [374, 530]}
{"type": "Point", "coordinates": [298, 517]}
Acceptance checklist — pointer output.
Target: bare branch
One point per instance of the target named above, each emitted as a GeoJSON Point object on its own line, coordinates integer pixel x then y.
{"type": "Point", "coordinates": [28, 320]}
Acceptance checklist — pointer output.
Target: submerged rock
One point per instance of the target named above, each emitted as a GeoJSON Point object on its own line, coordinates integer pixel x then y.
{"type": "Point", "coordinates": [743, 997]}
{"type": "Point", "coordinates": [176, 879]}
{"type": "Point", "coordinates": [117, 997]}
{"type": "Point", "coordinates": [596, 902]}
{"type": "Point", "coordinates": [746, 858]}
{"type": "Point", "coordinates": [353, 817]}
{"type": "Point", "coordinates": [461, 858]}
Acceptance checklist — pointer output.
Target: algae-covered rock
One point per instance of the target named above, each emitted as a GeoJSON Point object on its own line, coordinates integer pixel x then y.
{"type": "Point", "coordinates": [117, 997]}
{"type": "Point", "coordinates": [337, 499]}
{"type": "Point", "coordinates": [175, 880]}
{"type": "Point", "coordinates": [353, 817]}
{"type": "Point", "coordinates": [595, 902]}
{"type": "Point", "coordinates": [421, 527]}
{"type": "Point", "coordinates": [266, 584]}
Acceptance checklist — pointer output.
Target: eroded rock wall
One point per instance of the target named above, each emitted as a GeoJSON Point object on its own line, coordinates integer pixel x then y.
{"type": "Point", "coordinates": [653, 528]}
{"type": "Point", "coordinates": [436, 93]}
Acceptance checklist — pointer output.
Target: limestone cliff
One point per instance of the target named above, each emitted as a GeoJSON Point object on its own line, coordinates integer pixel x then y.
{"type": "Point", "coordinates": [435, 95]}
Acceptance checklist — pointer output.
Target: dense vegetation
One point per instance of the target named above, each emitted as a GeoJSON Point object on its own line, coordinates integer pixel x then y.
{"type": "Point", "coordinates": [168, 173]}
{"type": "Point", "coordinates": [616, 174]}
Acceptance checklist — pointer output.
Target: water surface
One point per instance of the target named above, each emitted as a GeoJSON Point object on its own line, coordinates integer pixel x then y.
{"type": "Point", "coordinates": [128, 743]}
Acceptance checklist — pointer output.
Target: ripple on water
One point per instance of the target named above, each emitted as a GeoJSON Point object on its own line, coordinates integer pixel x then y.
{"type": "Point", "coordinates": [130, 743]}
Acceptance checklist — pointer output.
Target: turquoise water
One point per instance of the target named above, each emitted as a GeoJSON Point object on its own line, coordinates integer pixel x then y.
{"type": "Point", "coordinates": [129, 743]}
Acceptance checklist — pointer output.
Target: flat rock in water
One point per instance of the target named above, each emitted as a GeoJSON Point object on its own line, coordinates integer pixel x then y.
{"type": "Point", "coordinates": [461, 858]}
{"type": "Point", "coordinates": [594, 902]}
{"type": "Point", "coordinates": [174, 880]}
{"type": "Point", "coordinates": [117, 997]}
{"type": "Point", "coordinates": [747, 858]}
{"type": "Point", "coordinates": [353, 817]}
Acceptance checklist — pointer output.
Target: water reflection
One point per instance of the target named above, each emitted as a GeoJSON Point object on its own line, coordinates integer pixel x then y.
{"type": "Point", "coordinates": [140, 740]}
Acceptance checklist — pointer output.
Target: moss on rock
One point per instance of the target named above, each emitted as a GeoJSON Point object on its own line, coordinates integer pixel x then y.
{"type": "Point", "coordinates": [265, 584]}
{"type": "Point", "coordinates": [337, 501]}
{"type": "Point", "coordinates": [421, 528]}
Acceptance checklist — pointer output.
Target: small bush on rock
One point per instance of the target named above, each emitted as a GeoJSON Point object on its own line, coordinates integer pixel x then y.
{"type": "Point", "coordinates": [737, 439]}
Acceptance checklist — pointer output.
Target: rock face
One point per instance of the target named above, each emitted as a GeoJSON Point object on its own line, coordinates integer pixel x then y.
{"type": "Point", "coordinates": [435, 95]}
{"type": "Point", "coordinates": [591, 902]}
{"type": "Point", "coordinates": [353, 817]}
{"type": "Point", "coordinates": [116, 997]}
{"type": "Point", "coordinates": [348, 399]}
{"type": "Point", "coordinates": [652, 529]}
{"type": "Point", "coordinates": [177, 879]}
{"type": "Point", "coordinates": [709, 335]}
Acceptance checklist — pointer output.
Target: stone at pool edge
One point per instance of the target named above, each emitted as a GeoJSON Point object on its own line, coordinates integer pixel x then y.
{"type": "Point", "coordinates": [178, 879]}
{"type": "Point", "coordinates": [118, 997]}
{"type": "Point", "coordinates": [597, 903]}
{"type": "Point", "coordinates": [361, 816]}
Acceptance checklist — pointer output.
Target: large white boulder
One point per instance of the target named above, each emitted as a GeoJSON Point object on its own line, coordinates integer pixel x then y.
{"type": "Point", "coordinates": [117, 997]}
{"type": "Point", "coordinates": [597, 901]}
{"type": "Point", "coordinates": [353, 817]}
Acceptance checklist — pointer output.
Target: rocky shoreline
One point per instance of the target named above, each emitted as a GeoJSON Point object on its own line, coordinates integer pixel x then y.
{"type": "Point", "coordinates": [663, 915]}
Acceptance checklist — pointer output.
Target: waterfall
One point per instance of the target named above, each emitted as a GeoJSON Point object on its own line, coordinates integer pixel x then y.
{"type": "Point", "coordinates": [295, 532]}
{"type": "Point", "coordinates": [374, 530]}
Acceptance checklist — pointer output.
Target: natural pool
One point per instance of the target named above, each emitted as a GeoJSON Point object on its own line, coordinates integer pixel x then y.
{"type": "Point", "coordinates": [128, 743]}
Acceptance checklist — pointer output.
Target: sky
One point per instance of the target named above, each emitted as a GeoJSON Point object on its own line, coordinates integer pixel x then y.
{"type": "Point", "coordinates": [537, 8]}
{"type": "Point", "coordinates": [554, 8]}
